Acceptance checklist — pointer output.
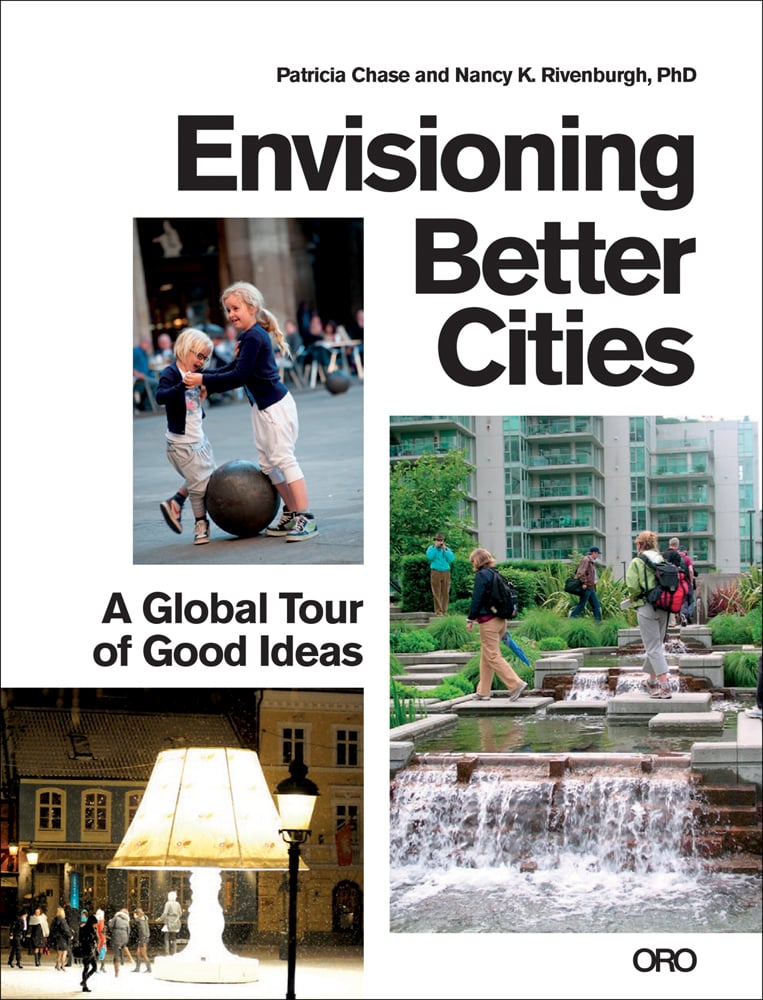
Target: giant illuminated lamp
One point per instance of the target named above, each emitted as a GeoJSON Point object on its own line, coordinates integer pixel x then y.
{"type": "Point", "coordinates": [205, 810]}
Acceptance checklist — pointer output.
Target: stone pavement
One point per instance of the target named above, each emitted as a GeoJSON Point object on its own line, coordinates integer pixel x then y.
{"type": "Point", "coordinates": [331, 973]}
{"type": "Point", "coordinates": [329, 450]}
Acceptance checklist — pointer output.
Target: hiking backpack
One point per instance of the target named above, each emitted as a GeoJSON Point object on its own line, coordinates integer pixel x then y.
{"type": "Point", "coordinates": [503, 597]}
{"type": "Point", "coordinates": [668, 592]}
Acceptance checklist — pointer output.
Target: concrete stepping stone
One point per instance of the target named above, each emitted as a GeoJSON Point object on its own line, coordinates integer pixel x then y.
{"type": "Point", "coordinates": [689, 722]}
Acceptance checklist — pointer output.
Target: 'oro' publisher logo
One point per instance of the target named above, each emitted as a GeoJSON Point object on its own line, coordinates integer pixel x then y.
{"type": "Point", "coordinates": [683, 960]}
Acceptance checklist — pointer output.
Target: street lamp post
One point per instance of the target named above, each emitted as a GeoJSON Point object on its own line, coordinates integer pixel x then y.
{"type": "Point", "coordinates": [295, 797]}
{"type": "Point", "coordinates": [13, 851]}
{"type": "Point", "coordinates": [33, 857]}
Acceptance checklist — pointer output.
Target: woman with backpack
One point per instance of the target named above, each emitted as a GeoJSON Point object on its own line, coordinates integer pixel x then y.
{"type": "Point", "coordinates": [641, 579]}
{"type": "Point", "coordinates": [492, 627]}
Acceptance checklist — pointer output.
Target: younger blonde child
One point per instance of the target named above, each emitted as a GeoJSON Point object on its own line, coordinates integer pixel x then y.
{"type": "Point", "coordinates": [188, 450]}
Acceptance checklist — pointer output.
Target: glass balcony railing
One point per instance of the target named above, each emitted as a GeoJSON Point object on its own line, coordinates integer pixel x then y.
{"type": "Point", "coordinates": [550, 523]}
{"type": "Point", "coordinates": [682, 498]}
{"type": "Point", "coordinates": [663, 447]}
{"type": "Point", "coordinates": [581, 458]}
{"type": "Point", "coordinates": [574, 425]}
{"type": "Point", "coordinates": [562, 491]}
{"type": "Point", "coordinates": [414, 449]}
{"type": "Point", "coordinates": [682, 468]}
{"type": "Point", "coordinates": [561, 553]}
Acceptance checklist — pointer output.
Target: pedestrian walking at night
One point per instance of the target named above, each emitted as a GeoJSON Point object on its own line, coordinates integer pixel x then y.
{"type": "Point", "coordinates": [17, 933]}
{"type": "Point", "coordinates": [88, 946]}
{"type": "Point", "coordinates": [38, 933]}
{"type": "Point", "coordinates": [170, 920]}
{"type": "Point", "coordinates": [119, 927]}
{"type": "Point", "coordinates": [143, 932]}
{"type": "Point", "coordinates": [100, 925]}
{"type": "Point", "coordinates": [60, 938]}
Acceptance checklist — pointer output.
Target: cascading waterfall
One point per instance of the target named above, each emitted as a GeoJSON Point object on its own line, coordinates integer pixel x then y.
{"type": "Point", "coordinates": [612, 822]}
{"type": "Point", "coordinates": [604, 849]}
{"type": "Point", "coordinates": [589, 685]}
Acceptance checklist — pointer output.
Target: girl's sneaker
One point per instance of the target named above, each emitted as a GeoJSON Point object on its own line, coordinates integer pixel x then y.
{"type": "Point", "coordinates": [284, 525]}
{"type": "Point", "coordinates": [304, 527]}
{"type": "Point", "coordinates": [201, 532]}
{"type": "Point", "coordinates": [172, 512]}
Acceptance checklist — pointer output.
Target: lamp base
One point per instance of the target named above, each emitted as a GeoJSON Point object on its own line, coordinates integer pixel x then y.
{"type": "Point", "coordinates": [176, 969]}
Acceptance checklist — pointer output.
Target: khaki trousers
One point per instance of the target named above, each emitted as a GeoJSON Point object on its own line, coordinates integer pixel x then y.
{"type": "Point", "coordinates": [491, 661]}
{"type": "Point", "coordinates": [440, 580]}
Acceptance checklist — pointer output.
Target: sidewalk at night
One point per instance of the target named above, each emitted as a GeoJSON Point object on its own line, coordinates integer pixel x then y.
{"type": "Point", "coordinates": [329, 450]}
{"type": "Point", "coordinates": [332, 973]}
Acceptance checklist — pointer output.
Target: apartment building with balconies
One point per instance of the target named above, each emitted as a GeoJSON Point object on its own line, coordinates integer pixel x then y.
{"type": "Point", "coordinates": [546, 486]}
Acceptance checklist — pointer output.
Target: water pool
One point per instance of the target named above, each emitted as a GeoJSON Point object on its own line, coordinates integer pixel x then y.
{"type": "Point", "coordinates": [544, 733]}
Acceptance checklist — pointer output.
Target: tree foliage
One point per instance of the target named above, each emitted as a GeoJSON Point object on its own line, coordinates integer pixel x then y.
{"type": "Point", "coordinates": [425, 496]}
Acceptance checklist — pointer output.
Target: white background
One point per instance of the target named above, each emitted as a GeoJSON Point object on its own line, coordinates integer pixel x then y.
{"type": "Point", "coordinates": [91, 95]}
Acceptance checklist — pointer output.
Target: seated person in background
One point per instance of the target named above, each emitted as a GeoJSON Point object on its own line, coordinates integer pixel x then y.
{"type": "Point", "coordinates": [314, 350]}
{"type": "Point", "coordinates": [165, 354]}
{"type": "Point", "coordinates": [225, 347]}
{"type": "Point", "coordinates": [142, 374]}
{"type": "Point", "coordinates": [356, 330]}
{"type": "Point", "coordinates": [293, 339]}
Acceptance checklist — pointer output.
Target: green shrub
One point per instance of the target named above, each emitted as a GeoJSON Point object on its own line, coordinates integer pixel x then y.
{"type": "Point", "coordinates": [538, 623]}
{"type": "Point", "coordinates": [450, 632]}
{"type": "Point", "coordinates": [581, 632]}
{"type": "Point", "coordinates": [754, 621]}
{"type": "Point", "coordinates": [395, 666]}
{"type": "Point", "coordinates": [412, 641]}
{"type": "Point", "coordinates": [452, 687]}
{"type": "Point", "coordinates": [730, 630]}
{"type": "Point", "coordinates": [740, 669]}
{"type": "Point", "coordinates": [552, 642]}
{"type": "Point", "coordinates": [405, 706]}
{"type": "Point", "coordinates": [417, 589]}
{"type": "Point", "coordinates": [750, 589]}
{"type": "Point", "coordinates": [460, 606]}
{"type": "Point", "coordinates": [609, 628]}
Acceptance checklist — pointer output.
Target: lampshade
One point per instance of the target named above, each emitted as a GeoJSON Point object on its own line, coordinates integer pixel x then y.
{"type": "Point", "coordinates": [205, 807]}
{"type": "Point", "coordinates": [33, 857]}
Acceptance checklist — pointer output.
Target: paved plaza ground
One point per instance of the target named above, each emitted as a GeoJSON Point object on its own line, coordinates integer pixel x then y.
{"type": "Point", "coordinates": [329, 450]}
{"type": "Point", "coordinates": [331, 973]}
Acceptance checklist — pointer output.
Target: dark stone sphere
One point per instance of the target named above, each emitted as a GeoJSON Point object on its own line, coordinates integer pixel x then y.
{"type": "Point", "coordinates": [241, 499]}
{"type": "Point", "coordinates": [337, 382]}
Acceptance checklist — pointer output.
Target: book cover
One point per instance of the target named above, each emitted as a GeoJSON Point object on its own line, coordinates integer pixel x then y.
{"type": "Point", "coordinates": [555, 210]}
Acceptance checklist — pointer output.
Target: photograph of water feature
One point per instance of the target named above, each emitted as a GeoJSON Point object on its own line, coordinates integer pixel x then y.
{"type": "Point", "coordinates": [556, 819]}
{"type": "Point", "coordinates": [580, 762]}
{"type": "Point", "coordinates": [605, 849]}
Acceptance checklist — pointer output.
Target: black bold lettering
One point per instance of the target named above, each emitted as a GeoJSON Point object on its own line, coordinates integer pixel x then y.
{"type": "Point", "coordinates": [427, 255]}
{"type": "Point", "coordinates": [189, 151]}
{"type": "Point", "coordinates": [448, 347]}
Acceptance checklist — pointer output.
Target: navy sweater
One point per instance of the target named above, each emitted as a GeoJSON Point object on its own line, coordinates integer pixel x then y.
{"type": "Point", "coordinates": [171, 395]}
{"type": "Point", "coordinates": [254, 368]}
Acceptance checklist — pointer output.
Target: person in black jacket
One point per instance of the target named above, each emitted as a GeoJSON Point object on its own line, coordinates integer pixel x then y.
{"type": "Point", "coordinates": [17, 933]}
{"type": "Point", "coordinates": [88, 942]}
{"type": "Point", "coordinates": [491, 628]}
